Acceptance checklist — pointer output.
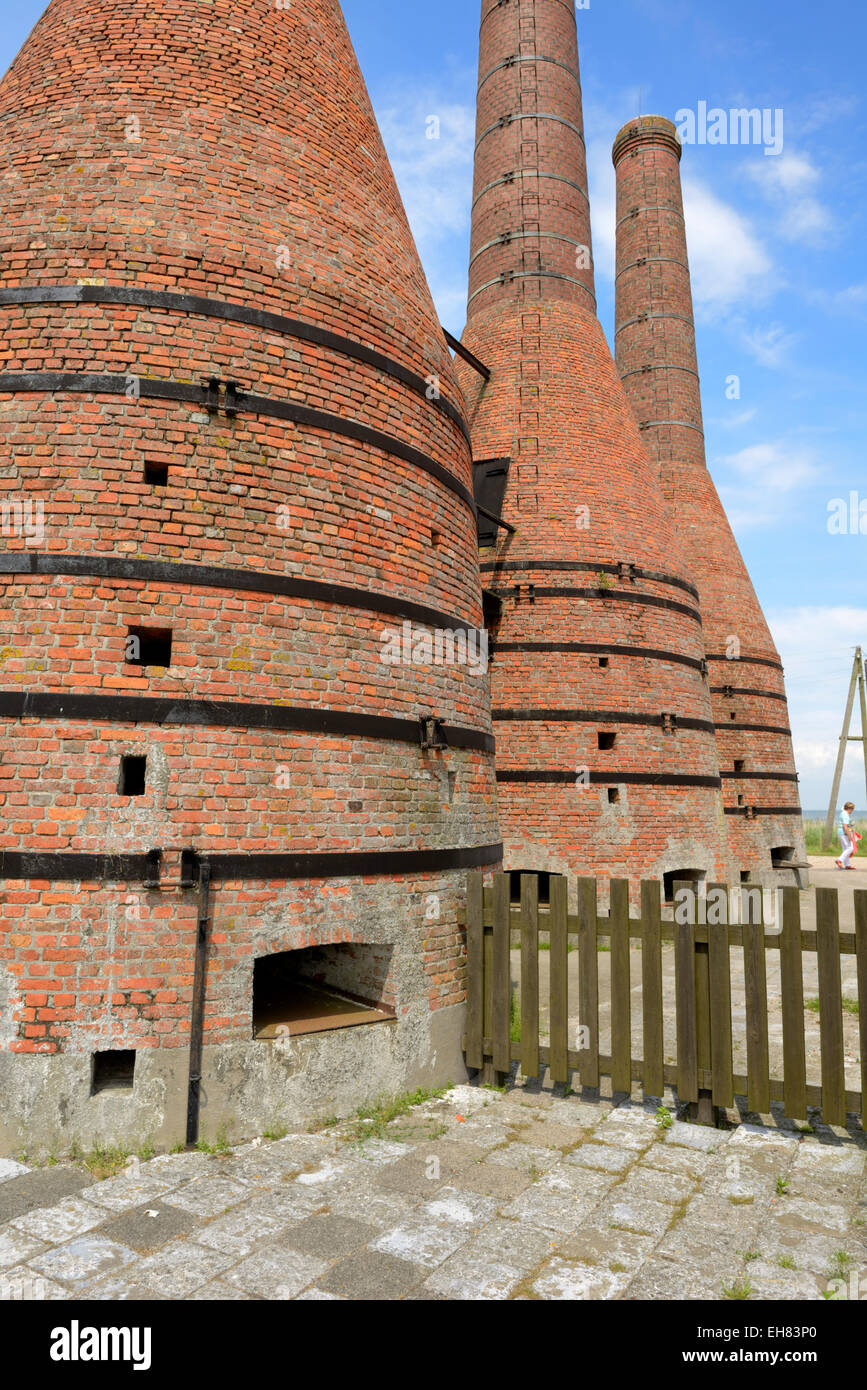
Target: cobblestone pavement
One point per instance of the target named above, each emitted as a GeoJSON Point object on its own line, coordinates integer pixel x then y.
{"type": "Point", "coordinates": [478, 1195]}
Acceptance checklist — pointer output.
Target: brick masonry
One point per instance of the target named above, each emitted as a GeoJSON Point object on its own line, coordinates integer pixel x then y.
{"type": "Point", "coordinates": [594, 560]}
{"type": "Point", "coordinates": [656, 358]}
{"type": "Point", "coordinates": [226, 152]}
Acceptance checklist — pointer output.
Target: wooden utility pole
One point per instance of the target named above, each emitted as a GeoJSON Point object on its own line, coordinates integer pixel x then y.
{"type": "Point", "coordinates": [857, 682]}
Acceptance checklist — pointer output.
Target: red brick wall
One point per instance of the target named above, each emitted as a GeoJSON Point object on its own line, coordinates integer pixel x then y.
{"type": "Point", "coordinates": [584, 500]}
{"type": "Point", "coordinates": [656, 357]}
{"type": "Point", "coordinates": [227, 151]}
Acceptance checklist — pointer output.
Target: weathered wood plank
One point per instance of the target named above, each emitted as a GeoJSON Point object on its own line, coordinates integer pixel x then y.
{"type": "Point", "coordinates": [861, 949]}
{"type": "Point", "coordinates": [687, 1026]}
{"type": "Point", "coordinates": [792, 988]}
{"type": "Point", "coordinates": [475, 969]}
{"type": "Point", "coordinates": [621, 1012]}
{"type": "Point", "coordinates": [756, 989]}
{"type": "Point", "coordinates": [720, 983]}
{"type": "Point", "coordinates": [559, 979]}
{"type": "Point", "coordinates": [651, 988]}
{"type": "Point", "coordinates": [588, 980]}
{"type": "Point", "coordinates": [831, 1007]}
{"type": "Point", "coordinates": [530, 975]}
{"type": "Point", "coordinates": [502, 979]}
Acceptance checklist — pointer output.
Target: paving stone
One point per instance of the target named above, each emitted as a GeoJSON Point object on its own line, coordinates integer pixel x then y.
{"type": "Point", "coordinates": [525, 1156]}
{"type": "Point", "coordinates": [485, 1136]}
{"type": "Point", "coordinates": [491, 1180]}
{"type": "Point", "coordinates": [23, 1285]}
{"type": "Point", "coordinates": [696, 1137]}
{"type": "Point", "coordinates": [209, 1196]}
{"type": "Point", "coordinates": [460, 1207]}
{"type": "Point", "coordinates": [363, 1200]}
{"type": "Point", "coordinates": [412, 1175]}
{"type": "Point", "coordinates": [183, 1166]}
{"type": "Point", "coordinates": [720, 1215]}
{"type": "Point", "coordinates": [285, 1204]}
{"type": "Point", "coordinates": [10, 1169]}
{"type": "Point", "coordinates": [181, 1268]}
{"type": "Point", "coordinates": [83, 1259]}
{"type": "Point", "coordinates": [240, 1231]}
{"type": "Point", "coordinates": [578, 1182]}
{"type": "Point", "coordinates": [218, 1291]}
{"type": "Point", "coordinates": [54, 1224]}
{"type": "Point", "coordinates": [130, 1190]}
{"type": "Point", "coordinates": [422, 1241]}
{"type": "Point", "coordinates": [602, 1157]}
{"type": "Point", "coordinates": [821, 1159]}
{"type": "Point", "coordinates": [491, 1265]}
{"type": "Point", "coordinates": [648, 1184]}
{"type": "Point", "coordinates": [329, 1237]}
{"type": "Point", "coordinates": [325, 1176]}
{"type": "Point", "coordinates": [804, 1215]}
{"type": "Point", "coordinates": [641, 1215]}
{"type": "Point", "coordinates": [115, 1290]}
{"type": "Point", "coordinates": [17, 1246]}
{"type": "Point", "coordinates": [275, 1273]}
{"type": "Point", "coordinates": [760, 1136]}
{"type": "Point", "coordinates": [456, 1154]}
{"type": "Point", "coordinates": [567, 1280]}
{"type": "Point", "coordinates": [372, 1275]}
{"type": "Point", "coordinates": [665, 1159]}
{"type": "Point", "coordinates": [771, 1282]}
{"type": "Point", "coordinates": [811, 1251]}
{"type": "Point", "coordinates": [710, 1252]}
{"type": "Point", "coordinates": [148, 1228]}
{"type": "Point", "coordinates": [318, 1296]}
{"type": "Point", "coordinates": [554, 1211]}
{"type": "Point", "coordinates": [41, 1187]}
{"type": "Point", "coordinates": [664, 1281]}
{"type": "Point", "coordinates": [378, 1153]}
{"type": "Point", "coordinates": [621, 1252]}
{"type": "Point", "coordinates": [549, 1134]}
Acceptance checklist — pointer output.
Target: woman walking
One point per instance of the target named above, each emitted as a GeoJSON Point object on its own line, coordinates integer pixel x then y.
{"type": "Point", "coordinates": [847, 836]}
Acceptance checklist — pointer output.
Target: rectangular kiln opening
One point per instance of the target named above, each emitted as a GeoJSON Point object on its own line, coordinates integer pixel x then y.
{"type": "Point", "coordinates": [320, 988]}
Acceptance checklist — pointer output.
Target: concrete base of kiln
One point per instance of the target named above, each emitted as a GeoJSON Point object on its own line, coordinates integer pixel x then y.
{"type": "Point", "coordinates": [47, 1104]}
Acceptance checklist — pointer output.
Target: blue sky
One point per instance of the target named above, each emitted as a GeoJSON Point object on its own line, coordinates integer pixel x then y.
{"type": "Point", "coordinates": [776, 246]}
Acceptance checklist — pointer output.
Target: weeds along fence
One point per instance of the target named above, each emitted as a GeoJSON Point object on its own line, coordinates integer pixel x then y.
{"type": "Point", "coordinates": [703, 938]}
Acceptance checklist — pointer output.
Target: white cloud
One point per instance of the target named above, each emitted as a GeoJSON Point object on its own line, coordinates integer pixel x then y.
{"type": "Point", "coordinates": [816, 645]}
{"type": "Point", "coordinates": [770, 346]}
{"type": "Point", "coordinates": [758, 484]}
{"type": "Point", "coordinates": [729, 264]}
{"type": "Point", "coordinates": [790, 183]}
{"type": "Point", "coordinates": [435, 178]}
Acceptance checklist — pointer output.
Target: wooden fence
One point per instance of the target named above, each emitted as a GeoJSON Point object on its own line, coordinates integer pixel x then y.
{"type": "Point", "coordinates": [703, 1072]}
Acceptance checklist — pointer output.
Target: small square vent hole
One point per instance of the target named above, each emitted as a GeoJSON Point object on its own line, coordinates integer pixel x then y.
{"type": "Point", "coordinates": [113, 1071]}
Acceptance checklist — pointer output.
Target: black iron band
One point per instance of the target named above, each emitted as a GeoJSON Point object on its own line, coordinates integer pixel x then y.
{"type": "Point", "coordinates": [736, 661]}
{"type": "Point", "coordinates": [601, 716]}
{"type": "Point", "coordinates": [764, 811]}
{"type": "Point", "coordinates": [650, 207]}
{"type": "Point", "coordinates": [644, 318]}
{"type": "Point", "coordinates": [508, 276]}
{"type": "Point", "coordinates": [731, 690]}
{"type": "Point", "coordinates": [755, 728]}
{"type": "Point", "coordinates": [26, 562]}
{"type": "Point", "coordinates": [228, 714]}
{"type": "Point", "coordinates": [658, 367]}
{"type": "Point", "coordinates": [761, 776]}
{"type": "Point", "coordinates": [611, 779]}
{"type": "Point", "coordinates": [587, 566]}
{"type": "Point", "coordinates": [148, 388]}
{"type": "Point", "coordinates": [129, 297]}
{"type": "Point", "coordinates": [119, 868]}
{"type": "Point", "coordinates": [599, 649]}
{"type": "Point", "coordinates": [617, 595]}
{"type": "Point", "coordinates": [508, 239]}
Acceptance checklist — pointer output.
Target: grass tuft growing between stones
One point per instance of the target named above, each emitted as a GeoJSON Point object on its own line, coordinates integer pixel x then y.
{"type": "Point", "coordinates": [370, 1121]}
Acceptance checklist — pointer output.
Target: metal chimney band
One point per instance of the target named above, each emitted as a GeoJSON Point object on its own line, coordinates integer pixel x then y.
{"type": "Point", "coordinates": [659, 367]}
{"type": "Point", "coordinates": [531, 174]}
{"type": "Point", "coordinates": [508, 237]}
{"type": "Point", "coordinates": [132, 297]}
{"type": "Point", "coordinates": [151, 388]}
{"type": "Point", "coordinates": [601, 649]}
{"type": "Point", "coordinates": [509, 276]}
{"type": "Point", "coordinates": [512, 116]}
{"type": "Point", "coordinates": [635, 779]}
{"type": "Point", "coordinates": [596, 567]}
{"type": "Point", "coordinates": [511, 61]}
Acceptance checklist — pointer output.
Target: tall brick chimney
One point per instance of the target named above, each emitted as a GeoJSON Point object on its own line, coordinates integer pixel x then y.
{"type": "Point", "coordinates": [606, 753]}
{"type": "Point", "coordinates": [656, 357]}
{"type": "Point", "coordinates": [242, 593]}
